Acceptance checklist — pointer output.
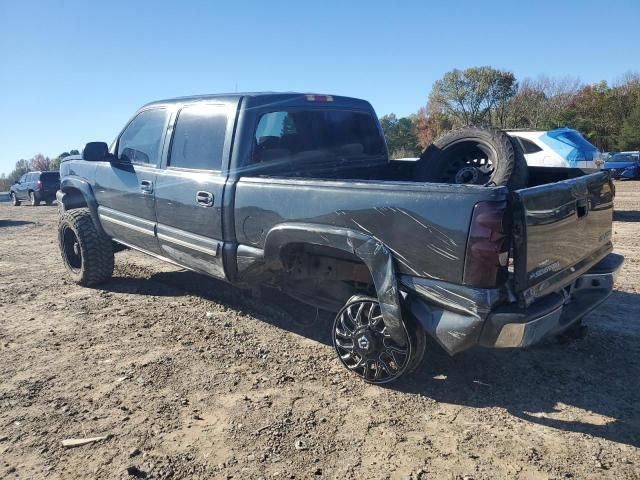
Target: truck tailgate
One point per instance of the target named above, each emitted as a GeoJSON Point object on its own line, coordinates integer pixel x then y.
{"type": "Point", "coordinates": [560, 230]}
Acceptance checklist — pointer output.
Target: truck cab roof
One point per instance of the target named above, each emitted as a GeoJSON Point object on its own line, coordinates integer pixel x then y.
{"type": "Point", "coordinates": [265, 98]}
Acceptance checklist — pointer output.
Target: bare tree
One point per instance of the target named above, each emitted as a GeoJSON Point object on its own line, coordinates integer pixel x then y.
{"type": "Point", "coordinates": [540, 102]}
{"type": "Point", "coordinates": [39, 163]}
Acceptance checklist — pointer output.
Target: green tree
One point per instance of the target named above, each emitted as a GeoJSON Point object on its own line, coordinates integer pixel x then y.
{"type": "Point", "coordinates": [593, 112]}
{"type": "Point", "coordinates": [400, 134]}
{"type": "Point", "coordinates": [629, 138]}
{"type": "Point", "coordinates": [475, 96]}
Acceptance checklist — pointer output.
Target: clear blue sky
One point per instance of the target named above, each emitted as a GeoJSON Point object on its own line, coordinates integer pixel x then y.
{"type": "Point", "coordinates": [74, 71]}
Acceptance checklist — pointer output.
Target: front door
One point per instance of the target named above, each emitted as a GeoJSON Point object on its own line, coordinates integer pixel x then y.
{"type": "Point", "coordinates": [125, 187]}
{"type": "Point", "coordinates": [189, 190]}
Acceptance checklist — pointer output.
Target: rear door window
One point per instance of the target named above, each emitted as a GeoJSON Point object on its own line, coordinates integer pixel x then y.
{"type": "Point", "coordinates": [198, 137]}
{"type": "Point", "coordinates": [141, 140]}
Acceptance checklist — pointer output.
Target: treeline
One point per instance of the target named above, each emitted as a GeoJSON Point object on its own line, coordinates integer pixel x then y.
{"type": "Point", "coordinates": [37, 163]}
{"type": "Point", "coordinates": [607, 115]}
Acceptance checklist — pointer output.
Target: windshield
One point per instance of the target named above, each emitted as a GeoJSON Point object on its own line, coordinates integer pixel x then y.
{"type": "Point", "coordinates": [305, 134]}
{"type": "Point", "coordinates": [624, 157]}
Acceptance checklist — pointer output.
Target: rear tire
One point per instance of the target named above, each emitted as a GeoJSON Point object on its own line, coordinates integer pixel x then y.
{"type": "Point", "coordinates": [14, 200]}
{"type": "Point", "coordinates": [86, 253]}
{"type": "Point", "coordinates": [364, 348]}
{"type": "Point", "coordinates": [475, 156]}
{"type": "Point", "coordinates": [33, 200]}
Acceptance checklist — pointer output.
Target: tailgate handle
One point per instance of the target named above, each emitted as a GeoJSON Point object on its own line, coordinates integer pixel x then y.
{"type": "Point", "coordinates": [582, 207]}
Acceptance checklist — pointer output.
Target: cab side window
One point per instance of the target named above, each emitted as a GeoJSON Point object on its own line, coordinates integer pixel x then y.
{"type": "Point", "coordinates": [198, 137]}
{"type": "Point", "coordinates": [141, 141]}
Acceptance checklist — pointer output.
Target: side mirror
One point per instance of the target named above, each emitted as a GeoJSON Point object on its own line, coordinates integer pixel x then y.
{"type": "Point", "coordinates": [95, 151]}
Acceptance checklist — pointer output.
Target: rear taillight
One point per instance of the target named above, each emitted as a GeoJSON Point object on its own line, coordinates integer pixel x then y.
{"type": "Point", "coordinates": [487, 252]}
{"type": "Point", "coordinates": [39, 185]}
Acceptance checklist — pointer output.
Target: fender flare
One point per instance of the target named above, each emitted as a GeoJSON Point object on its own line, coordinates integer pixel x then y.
{"type": "Point", "coordinates": [373, 253]}
{"type": "Point", "coordinates": [85, 189]}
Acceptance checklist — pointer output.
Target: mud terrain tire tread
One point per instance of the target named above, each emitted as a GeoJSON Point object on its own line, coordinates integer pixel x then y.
{"type": "Point", "coordinates": [96, 248]}
{"type": "Point", "coordinates": [510, 165]}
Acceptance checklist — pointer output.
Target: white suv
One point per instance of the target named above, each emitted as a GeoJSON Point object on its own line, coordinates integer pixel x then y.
{"type": "Point", "coordinates": [563, 147]}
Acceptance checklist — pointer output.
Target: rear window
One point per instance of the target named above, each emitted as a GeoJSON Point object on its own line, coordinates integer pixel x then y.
{"type": "Point", "coordinates": [302, 135]}
{"type": "Point", "coordinates": [50, 177]}
{"type": "Point", "coordinates": [573, 138]}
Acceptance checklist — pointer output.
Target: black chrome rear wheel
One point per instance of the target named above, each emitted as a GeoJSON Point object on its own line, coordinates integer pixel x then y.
{"type": "Point", "coordinates": [364, 344]}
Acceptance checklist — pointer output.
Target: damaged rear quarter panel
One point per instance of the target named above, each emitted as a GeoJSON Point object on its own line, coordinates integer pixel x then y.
{"type": "Point", "coordinates": [425, 226]}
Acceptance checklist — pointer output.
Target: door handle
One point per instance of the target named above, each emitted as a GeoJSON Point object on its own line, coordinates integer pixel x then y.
{"type": "Point", "coordinates": [146, 186]}
{"type": "Point", "coordinates": [204, 198]}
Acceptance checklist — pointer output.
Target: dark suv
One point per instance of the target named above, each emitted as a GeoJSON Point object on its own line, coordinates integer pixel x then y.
{"type": "Point", "coordinates": [35, 187]}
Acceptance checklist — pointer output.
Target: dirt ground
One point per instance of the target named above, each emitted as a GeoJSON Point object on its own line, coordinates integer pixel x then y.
{"type": "Point", "coordinates": [190, 378]}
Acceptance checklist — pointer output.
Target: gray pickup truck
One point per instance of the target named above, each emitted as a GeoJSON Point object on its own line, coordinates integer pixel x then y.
{"type": "Point", "coordinates": [296, 192]}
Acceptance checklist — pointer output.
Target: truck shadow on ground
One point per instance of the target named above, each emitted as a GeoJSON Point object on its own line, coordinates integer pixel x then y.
{"type": "Point", "coordinates": [626, 215]}
{"type": "Point", "coordinates": [599, 375]}
{"type": "Point", "coordinates": [270, 306]}
{"type": "Point", "coordinates": [14, 223]}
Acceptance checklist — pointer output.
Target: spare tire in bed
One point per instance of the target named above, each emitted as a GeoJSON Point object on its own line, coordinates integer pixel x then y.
{"type": "Point", "coordinates": [474, 156]}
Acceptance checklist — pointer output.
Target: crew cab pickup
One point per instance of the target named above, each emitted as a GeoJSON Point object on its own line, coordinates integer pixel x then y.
{"type": "Point", "coordinates": [296, 191]}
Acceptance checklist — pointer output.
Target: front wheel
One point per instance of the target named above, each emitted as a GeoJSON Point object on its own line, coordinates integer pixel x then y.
{"type": "Point", "coordinates": [86, 253]}
{"type": "Point", "coordinates": [14, 200]}
{"type": "Point", "coordinates": [365, 347]}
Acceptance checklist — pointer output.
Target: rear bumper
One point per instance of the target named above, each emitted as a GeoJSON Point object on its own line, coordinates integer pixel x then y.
{"type": "Point", "coordinates": [48, 195]}
{"type": "Point", "coordinates": [459, 318]}
{"type": "Point", "coordinates": [512, 327]}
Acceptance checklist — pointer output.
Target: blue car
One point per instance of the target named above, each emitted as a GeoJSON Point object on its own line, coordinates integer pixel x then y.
{"type": "Point", "coordinates": [623, 165]}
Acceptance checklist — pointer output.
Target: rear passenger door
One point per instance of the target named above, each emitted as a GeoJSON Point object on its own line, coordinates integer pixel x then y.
{"type": "Point", "coordinates": [189, 190]}
{"type": "Point", "coordinates": [125, 187]}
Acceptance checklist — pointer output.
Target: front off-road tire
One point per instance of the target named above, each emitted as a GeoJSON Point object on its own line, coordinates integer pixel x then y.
{"type": "Point", "coordinates": [86, 253]}
{"type": "Point", "coordinates": [365, 348]}
{"type": "Point", "coordinates": [14, 200]}
{"type": "Point", "coordinates": [474, 156]}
